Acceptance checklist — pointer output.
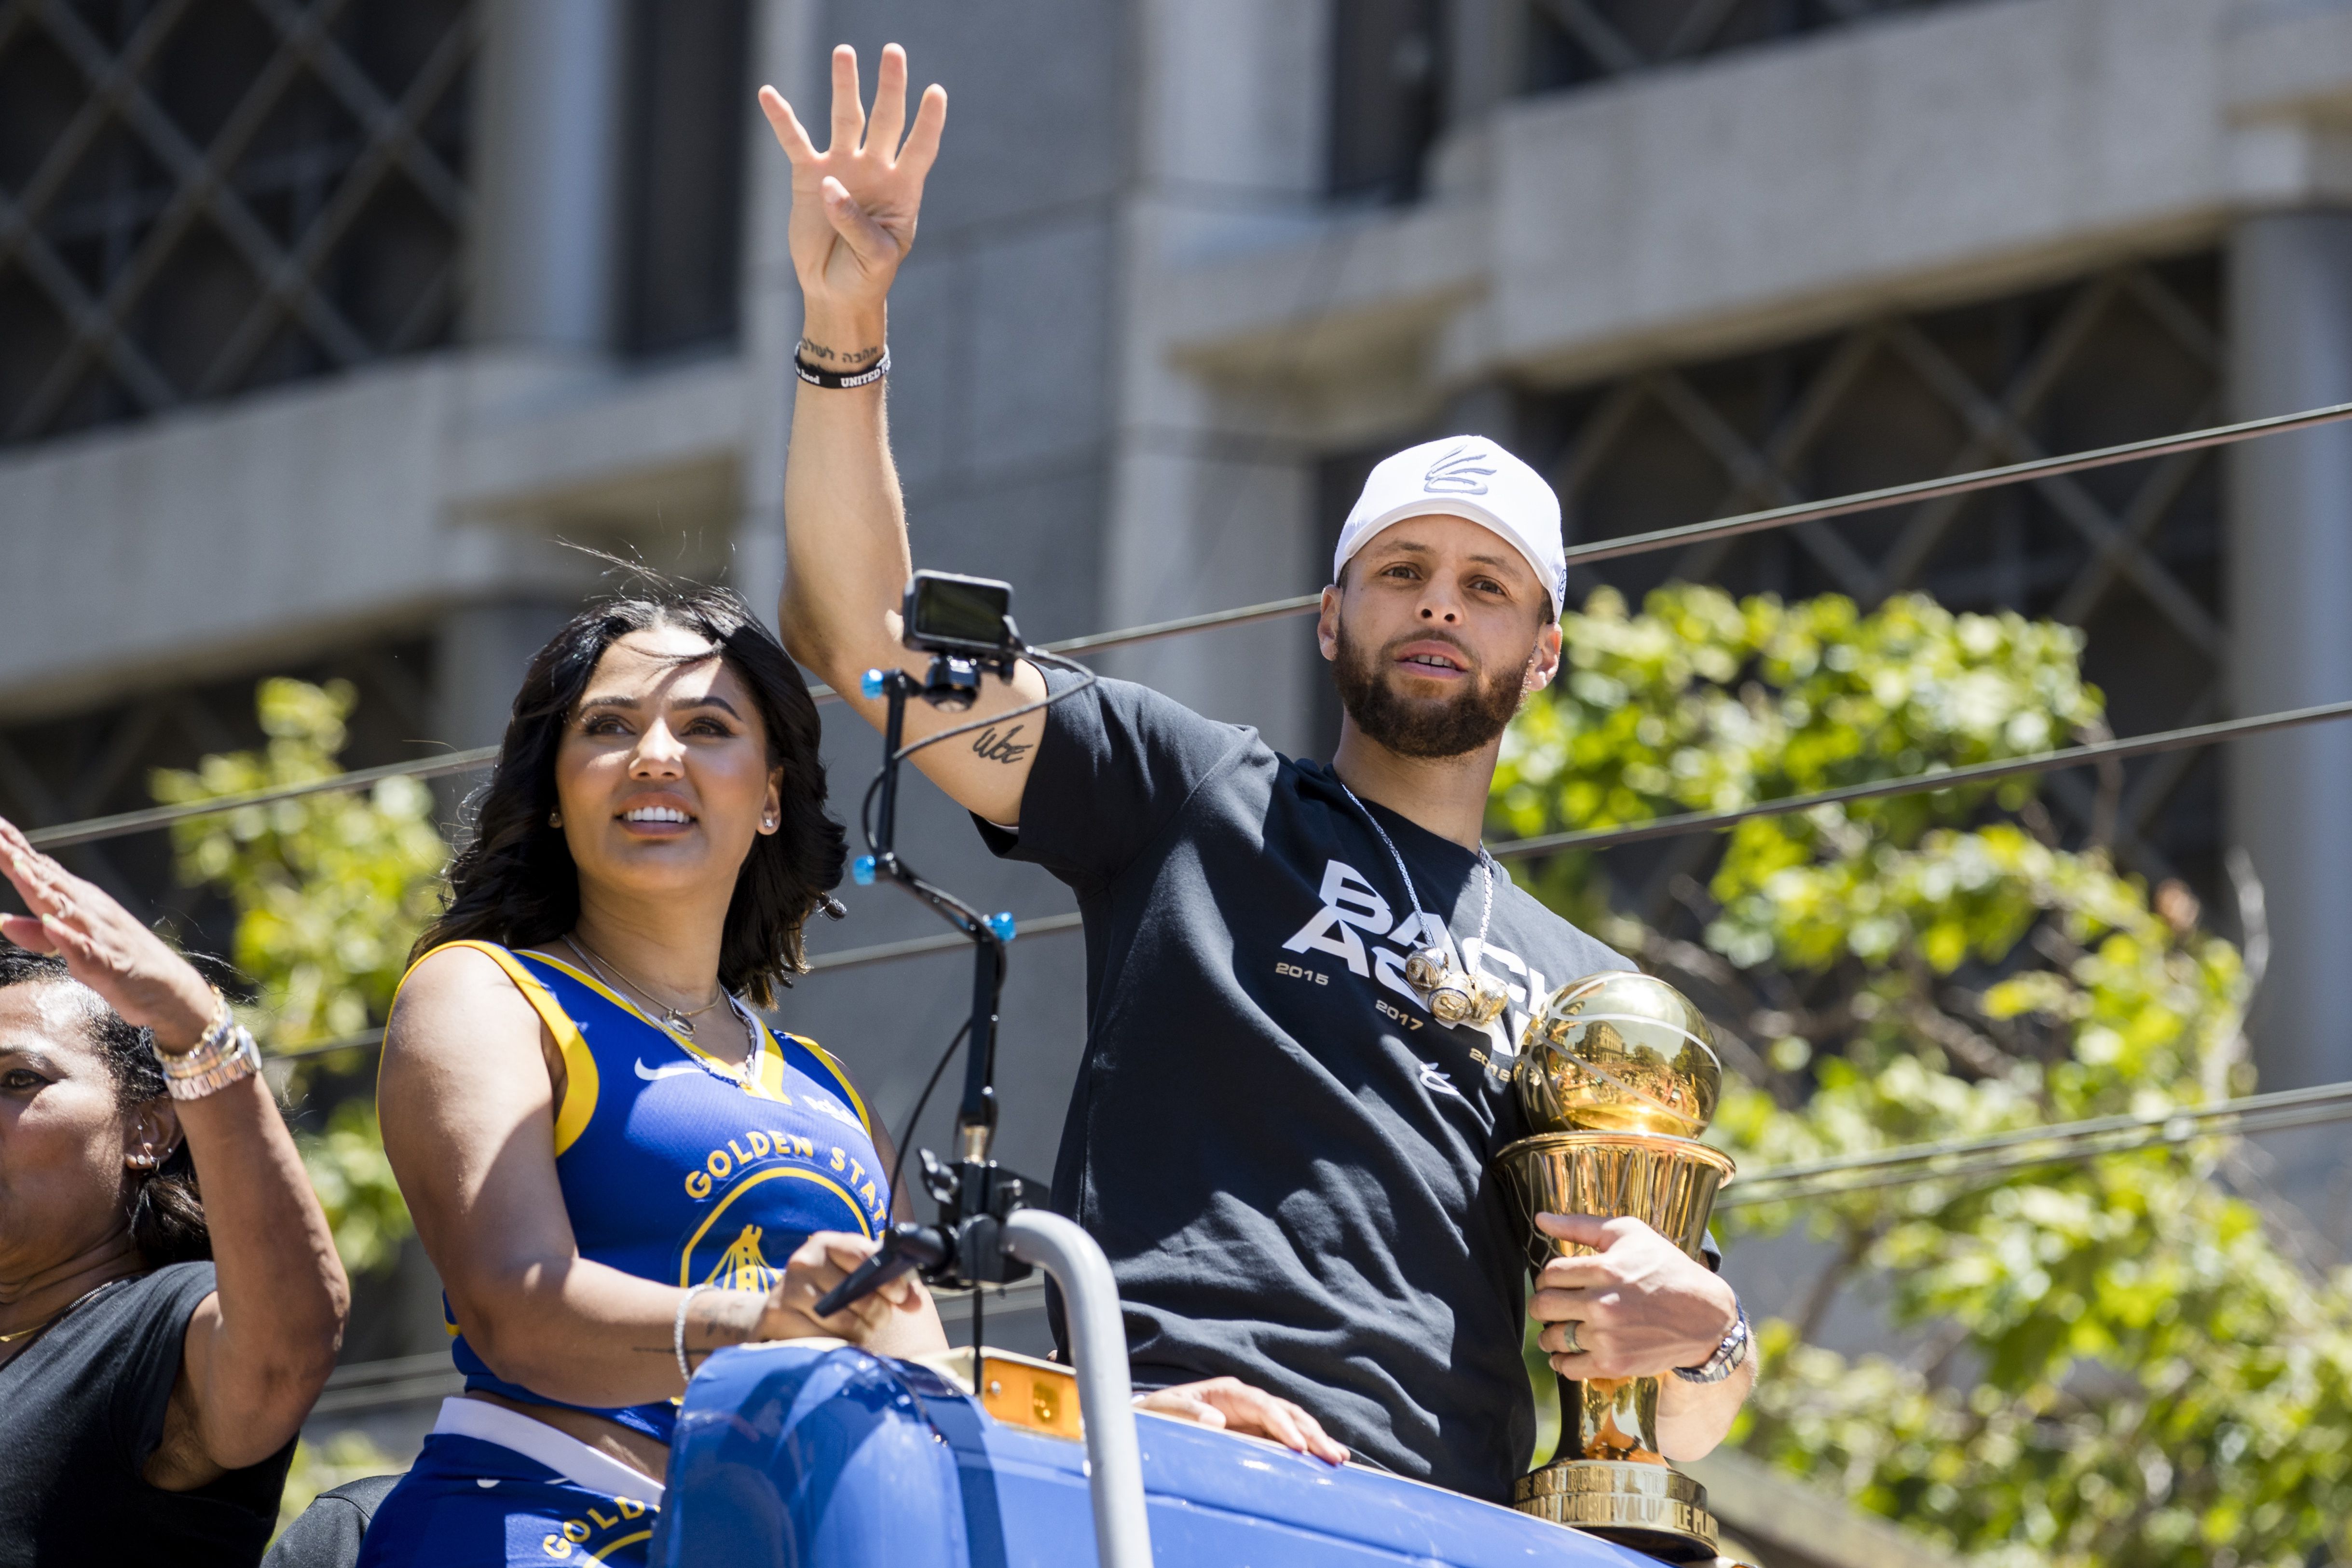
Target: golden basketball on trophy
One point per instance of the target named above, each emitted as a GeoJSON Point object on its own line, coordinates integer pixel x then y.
{"type": "Point", "coordinates": [1617, 1074]}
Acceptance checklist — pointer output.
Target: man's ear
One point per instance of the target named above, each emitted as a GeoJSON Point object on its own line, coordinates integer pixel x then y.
{"type": "Point", "coordinates": [1326, 623]}
{"type": "Point", "coordinates": [149, 1135]}
{"type": "Point", "coordinates": [1543, 660]}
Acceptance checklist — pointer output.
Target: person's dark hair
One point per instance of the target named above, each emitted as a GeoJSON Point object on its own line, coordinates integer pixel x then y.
{"type": "Point", "coordinates": [515, 882]}
{"type": "Point", "coordinates": [167, 1212]}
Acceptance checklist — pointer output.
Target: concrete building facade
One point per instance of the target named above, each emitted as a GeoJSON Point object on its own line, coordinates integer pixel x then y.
{"type": "Point", "coordinates": [1184, 265]}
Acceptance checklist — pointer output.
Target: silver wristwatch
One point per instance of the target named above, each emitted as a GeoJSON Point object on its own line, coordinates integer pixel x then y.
{"type": "Point", "coordinates": [1725, 1359]}
{"type": "Point", "coordinates": [225, 1055]}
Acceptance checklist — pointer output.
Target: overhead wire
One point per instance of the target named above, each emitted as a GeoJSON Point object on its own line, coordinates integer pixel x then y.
{"type": "Point", "coordinates": [65, 835]}
{"type": "Point", "coordinates": [2064, 1143]}
{"type": "Point", "coordinates": [1927, 782]}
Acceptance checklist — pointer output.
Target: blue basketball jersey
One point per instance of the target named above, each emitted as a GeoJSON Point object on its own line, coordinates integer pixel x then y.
{"type": "Point", "coordinates": [673, 1171]}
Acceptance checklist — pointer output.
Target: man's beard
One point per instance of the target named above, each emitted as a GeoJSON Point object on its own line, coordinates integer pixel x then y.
{"type": "Point", "coordinates": [1421, 727]}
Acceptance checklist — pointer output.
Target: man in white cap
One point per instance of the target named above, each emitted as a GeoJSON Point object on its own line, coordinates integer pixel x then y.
{"type": "Point", "coordinates": [1303, 981]}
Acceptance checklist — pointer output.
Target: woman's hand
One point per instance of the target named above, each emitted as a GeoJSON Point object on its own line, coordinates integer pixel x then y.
{"type": "Point", "coordinates": [853, 205]}
{"type": "Point", "coordinates": [112, 954]}
{"type": "Point", "coordinates": [822, 1261]}
{"type": "Point", "coordinates": [1232, 1405]}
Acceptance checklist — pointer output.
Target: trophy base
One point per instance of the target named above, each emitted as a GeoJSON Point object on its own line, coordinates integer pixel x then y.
{"type": "Point", "coordinates": [1647, 1506]}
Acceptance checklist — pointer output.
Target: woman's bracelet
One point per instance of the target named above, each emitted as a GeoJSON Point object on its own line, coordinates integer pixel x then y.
{"type": "Point", "coordinates": [222, 1055]}
{"type": "Point", "coordinates": [677, 1329]}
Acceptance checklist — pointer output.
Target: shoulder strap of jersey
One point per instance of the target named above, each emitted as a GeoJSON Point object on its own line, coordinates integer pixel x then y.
{"type": "Point", "coordinates": [580, 1078]}
{"type": "Point", "coordinates": [839, 1075]}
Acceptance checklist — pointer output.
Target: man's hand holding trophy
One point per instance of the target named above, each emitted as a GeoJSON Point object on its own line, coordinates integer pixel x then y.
{"type": "Point", "coordinates": [1618, 1076]}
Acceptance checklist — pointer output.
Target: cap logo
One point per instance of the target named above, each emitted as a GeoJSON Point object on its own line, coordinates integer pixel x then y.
{"type": "Point", "coordinates": [1452, 475]}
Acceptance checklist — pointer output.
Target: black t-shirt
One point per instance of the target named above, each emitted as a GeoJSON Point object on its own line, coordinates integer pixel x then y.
{"type": "Point", "coordinates": [81, 1410]}
{"type": "Point", "coordinates": [1286, 1157]}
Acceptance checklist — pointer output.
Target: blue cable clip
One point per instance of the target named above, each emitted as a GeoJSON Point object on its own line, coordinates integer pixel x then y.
{"type": "Point", "coordinates": [1001, 924]}
{"type": "Point", "coordinates": [870, 684]}
{"type": "Point", "coordinates": [861, 871]}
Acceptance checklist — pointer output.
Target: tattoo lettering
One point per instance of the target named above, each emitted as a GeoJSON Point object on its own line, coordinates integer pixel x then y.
{"type": "Point", "coordinates": [990, 746]}
{"type": "Point", "coordinates": [848, 358]}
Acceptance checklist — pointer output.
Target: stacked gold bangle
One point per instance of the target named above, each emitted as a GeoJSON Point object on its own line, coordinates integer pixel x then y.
{"type": "Point", "coordinates": [224, 1055]}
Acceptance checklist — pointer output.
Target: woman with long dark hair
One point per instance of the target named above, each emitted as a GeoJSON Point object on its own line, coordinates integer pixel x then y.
{"type": "Point", "coordinates": [614, 1166]}
{"type": "Point", "coordinates": [170, 1299]}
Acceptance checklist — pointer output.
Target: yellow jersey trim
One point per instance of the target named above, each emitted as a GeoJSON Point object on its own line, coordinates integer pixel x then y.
{"type": "Point", "coordinates": [612, 1546]}
{"type": "Point", "coordinates": [581, 1083]}
{"type": "Point", "coordinates": [685, 1254]}
{"type": "Point", "coordinates": [840, 1076]}
{"type": "Point", "coordinates": [758, 1082]}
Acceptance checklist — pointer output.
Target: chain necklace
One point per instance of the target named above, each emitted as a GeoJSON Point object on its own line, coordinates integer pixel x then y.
{"type": "Point", "coordinates": [1453, 994]}
{"type": "Point", "coordinates": [681, 1022]}
{"type": "Point", "coordinates": [51, 1321]}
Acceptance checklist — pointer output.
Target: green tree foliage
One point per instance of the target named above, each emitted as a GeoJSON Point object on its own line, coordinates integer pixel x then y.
{"type": "Point", "coordinates": [2119, 1361]}
{"type": "Point", "coordinates": [330, 890]}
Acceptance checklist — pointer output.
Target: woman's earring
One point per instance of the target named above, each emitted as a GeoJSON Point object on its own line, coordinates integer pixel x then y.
{"type": "Point", "coordinates": [555, 818]}
{"type": "Point", "coordinates": [769, 823]}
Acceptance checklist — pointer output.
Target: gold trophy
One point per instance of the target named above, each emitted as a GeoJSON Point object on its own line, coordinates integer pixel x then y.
{"type": "Point", "coordinates": [1618, 1074]}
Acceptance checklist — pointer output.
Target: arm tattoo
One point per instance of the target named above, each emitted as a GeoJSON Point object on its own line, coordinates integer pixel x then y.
{"type": "Point", "coordinates": [848, 358]}
{"type": "Point", "coordinates": [718, 1319]}
{"type": "Point", "coordinates": [990, 746]}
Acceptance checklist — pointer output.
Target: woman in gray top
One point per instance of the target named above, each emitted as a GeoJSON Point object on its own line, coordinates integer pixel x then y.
{"type": "Point", "coordinates": [170, 1299]}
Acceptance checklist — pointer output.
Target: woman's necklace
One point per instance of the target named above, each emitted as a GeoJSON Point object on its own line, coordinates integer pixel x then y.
{"type": "Point", "coordinates": [676, 1020]}
{"type": "Point", "coordinates": [679, 1018]}
{"type": "Point", "coordinates": [51, 1320]}
{"type": "Point", "coordinates": [1453, 994]}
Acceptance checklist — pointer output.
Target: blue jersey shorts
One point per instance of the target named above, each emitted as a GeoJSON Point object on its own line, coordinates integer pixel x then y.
{"type": "Point", "coordinates": [468, 1503]}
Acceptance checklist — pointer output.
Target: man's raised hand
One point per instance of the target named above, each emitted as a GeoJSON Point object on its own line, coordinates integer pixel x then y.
{"type": "Point", "coordinates": [853, 205]}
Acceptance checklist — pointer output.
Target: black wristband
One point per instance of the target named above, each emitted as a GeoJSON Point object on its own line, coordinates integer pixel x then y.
{"type": "Point", "coordinates": [833, 381]}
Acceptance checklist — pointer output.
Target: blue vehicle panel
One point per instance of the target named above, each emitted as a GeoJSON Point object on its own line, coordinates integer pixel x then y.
{"type": "Point", "coordinates": [798, 1457]}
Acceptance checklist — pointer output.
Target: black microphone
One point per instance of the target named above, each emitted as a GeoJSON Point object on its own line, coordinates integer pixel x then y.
{"type": "Point", "coordinates": [905, 1246]}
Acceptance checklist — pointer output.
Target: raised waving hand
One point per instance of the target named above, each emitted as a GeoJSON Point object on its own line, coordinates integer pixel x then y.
{"type": "Point", "coordinates": [107, 950]}
{"type": "Point", "coordinates": [854, 203]}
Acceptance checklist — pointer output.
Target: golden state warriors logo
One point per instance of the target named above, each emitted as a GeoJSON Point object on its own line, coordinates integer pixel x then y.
{"type": "Point", "coordinates": [741, 1267]}
{"type": "Point", "coordinates": [761, 1179]}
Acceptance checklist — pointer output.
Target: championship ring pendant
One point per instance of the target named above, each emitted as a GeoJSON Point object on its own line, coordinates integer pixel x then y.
{"type": "Point", "coordinates": [1454, 995]}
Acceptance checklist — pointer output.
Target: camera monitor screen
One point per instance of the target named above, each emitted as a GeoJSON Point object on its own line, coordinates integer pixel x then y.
{"type": "Point", "coordinates": [966, 612]}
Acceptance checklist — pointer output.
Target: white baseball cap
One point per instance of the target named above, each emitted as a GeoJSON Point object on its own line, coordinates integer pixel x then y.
{"type": "Point", "coordinates": [1463, 477]}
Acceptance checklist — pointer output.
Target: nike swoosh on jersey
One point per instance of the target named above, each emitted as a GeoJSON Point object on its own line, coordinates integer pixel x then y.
{"type": "Point", "coordinates": [650, 1074]}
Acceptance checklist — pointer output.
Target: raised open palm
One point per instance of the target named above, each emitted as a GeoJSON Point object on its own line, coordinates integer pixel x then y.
{"type": "Point", "coordinates": [853, 205]}
{"type": "Point", "coordinates": [105, 946]}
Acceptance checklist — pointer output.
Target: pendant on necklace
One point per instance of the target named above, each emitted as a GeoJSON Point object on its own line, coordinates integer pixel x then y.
{"type": "Point", "coordinates": [1454, 995]}
{"type": "Point", "coordinates": [680, 1023]}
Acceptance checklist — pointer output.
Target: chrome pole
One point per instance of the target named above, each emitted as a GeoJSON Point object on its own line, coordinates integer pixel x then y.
{"type": "Point", "coordinates": [1099, 1349]}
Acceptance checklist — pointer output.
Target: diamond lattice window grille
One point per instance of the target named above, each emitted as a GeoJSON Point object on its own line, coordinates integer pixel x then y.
{"type": "Point", "coordinates": [65, 768]}
{"type": "Point", "coordinates": [2132, 555]}
{"type": "Point", "coordinates": [1574, 42]}
{"type": "Point", "coordinates": [198, 197]}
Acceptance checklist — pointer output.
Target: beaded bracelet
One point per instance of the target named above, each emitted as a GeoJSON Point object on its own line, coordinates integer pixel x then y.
{"type": "Point", "coordinates": [677, 1329]}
